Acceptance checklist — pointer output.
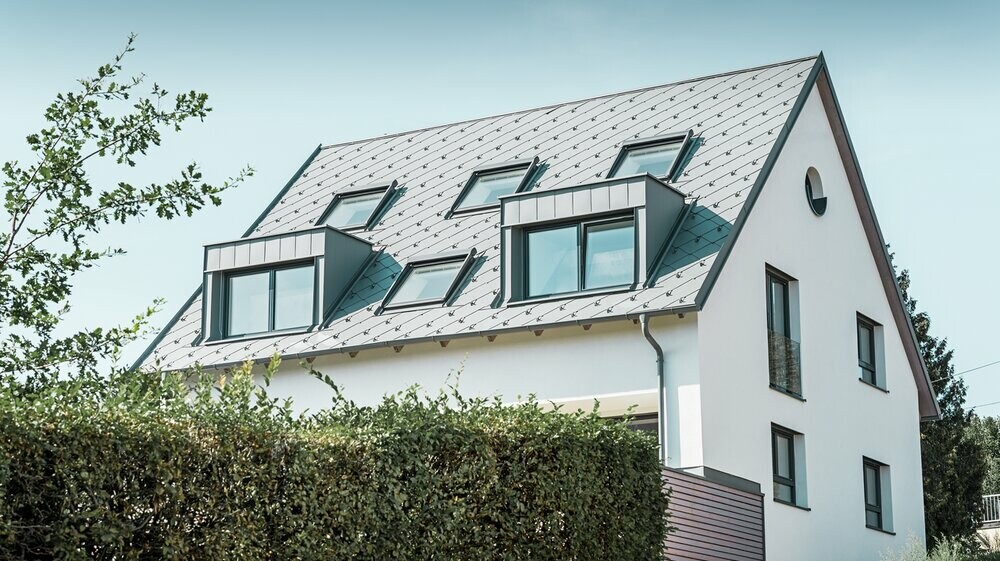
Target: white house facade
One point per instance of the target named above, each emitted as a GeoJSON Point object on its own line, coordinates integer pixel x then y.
{"type": "Point", "coordinates": [550, 252]}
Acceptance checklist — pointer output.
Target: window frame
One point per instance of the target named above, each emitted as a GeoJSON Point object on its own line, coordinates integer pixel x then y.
{"type": "Point", "coordinates": [465, 257]}
{"type": "Point", "coordinates": [773, 275]}
{"type": "Point", "coordinates": [271, 299]}
{"type": "Point", "coordinates": [530, 166]}
{"type": "Point", "coordinates": [790, 482]}
{"type": "Point", "coordinates": [877, 509]}
{"type": "Point", "coordinates": [581, 244]}
{"type": "Point", "coordinates": [873, 367]}
{"type": "Point", "coordinates": [387, 189]}
{"type": "Point", "coordinates": [682, 137]}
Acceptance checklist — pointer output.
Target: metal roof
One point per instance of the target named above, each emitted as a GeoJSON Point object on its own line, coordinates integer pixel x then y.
{"type": "Point", "coordinates": [736, 119]}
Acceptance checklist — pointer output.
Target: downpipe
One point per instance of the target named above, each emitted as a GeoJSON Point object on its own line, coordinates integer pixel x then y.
{"type": "Point", "coordinates": [661, 414]}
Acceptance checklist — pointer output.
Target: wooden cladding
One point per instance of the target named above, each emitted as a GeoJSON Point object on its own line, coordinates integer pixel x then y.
{"type": "Point", "coordinates": [713, 521]}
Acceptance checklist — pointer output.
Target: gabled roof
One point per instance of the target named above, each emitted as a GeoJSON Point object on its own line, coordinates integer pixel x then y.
{"type": "Point", "coordinates": [736, 117]}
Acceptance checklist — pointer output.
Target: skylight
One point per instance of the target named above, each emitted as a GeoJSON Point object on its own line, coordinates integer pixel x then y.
{"type": "Point", "coordinates": [656, 156]}
{"type": "Point", "coordinates": [489, 183]}
{"type": "Point", "coordinates": [428, 281]}
{"type": "Point", "coordinates": [357, 208]}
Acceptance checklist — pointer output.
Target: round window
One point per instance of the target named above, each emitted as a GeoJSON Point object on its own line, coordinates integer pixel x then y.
{"type": "Point", "coordinates": [814, 192]}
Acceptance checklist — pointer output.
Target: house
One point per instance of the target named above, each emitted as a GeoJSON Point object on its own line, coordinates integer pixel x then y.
{"type": "Point", "coordinates": [714, 235]}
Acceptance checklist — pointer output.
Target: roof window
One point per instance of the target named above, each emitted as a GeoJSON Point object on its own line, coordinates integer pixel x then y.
{"type": "Point", "coordinates": [658, 156]}
{"type": "Point", "coordinates": [428, 280]}
{"type": "Point", "coordinates": [357, 208]}
{"type": "Point", "coordinates": [490, 182]}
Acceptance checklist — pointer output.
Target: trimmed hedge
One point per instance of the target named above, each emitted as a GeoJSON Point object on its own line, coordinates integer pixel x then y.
{"type": "Point", "coordinates": [153, 468]}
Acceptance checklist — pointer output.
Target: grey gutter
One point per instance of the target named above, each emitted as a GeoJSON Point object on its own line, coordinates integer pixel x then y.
{"type": "Point", "coordinates": [661, 418]}
{"type": "Point", "coordinates": [450, 337]}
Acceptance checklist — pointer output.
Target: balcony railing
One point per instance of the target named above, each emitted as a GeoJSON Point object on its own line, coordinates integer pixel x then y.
{"type": "Point", "coordinates": [784, 362]}
{"type": "Point", "coordinates": [991, 509]}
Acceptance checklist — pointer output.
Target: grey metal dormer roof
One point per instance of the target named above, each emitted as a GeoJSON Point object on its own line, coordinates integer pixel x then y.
{"type": "Point", "coordinates": [736, 119]}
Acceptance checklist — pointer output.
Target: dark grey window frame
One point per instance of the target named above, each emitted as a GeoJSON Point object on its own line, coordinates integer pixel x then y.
{"type": "Point", "coordinates": [683, 137]}
{"type": "Point", "coordinates": [772, 275]}
{"type": "Point", "coordinates": [879, 508]}
{"type": "Point", "coordinates": [465, 257]}
{"type": "Point", "coordinates": [530, 166]}
{"type": "Point", "coordinates": [388, 189]}
{"type": "Point", "coordinates": [871, 368]}
{"type": "Point", "coordinates": [776, 431]}
{"type": "Point", "coordinates": [226, 335]}
{"type": "Point", "coordinates": [581, 241]}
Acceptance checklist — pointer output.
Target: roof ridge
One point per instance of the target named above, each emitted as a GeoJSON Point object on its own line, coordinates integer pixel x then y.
{"type": "Point", "coordinates": [581, 100]}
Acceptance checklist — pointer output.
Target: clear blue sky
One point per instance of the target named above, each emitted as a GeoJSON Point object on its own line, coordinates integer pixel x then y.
{"type": "Point", "coordinates": [919, 83]}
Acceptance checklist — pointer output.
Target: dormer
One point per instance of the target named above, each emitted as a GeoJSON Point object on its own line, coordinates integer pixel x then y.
{"type": "Point", "coordinates": [277, 284]}
{"type": "Point", "coordinates": [599, 237]}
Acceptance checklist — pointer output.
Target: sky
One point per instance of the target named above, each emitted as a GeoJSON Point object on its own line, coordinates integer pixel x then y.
{"type": "Point", "coordinates": [919, 84]}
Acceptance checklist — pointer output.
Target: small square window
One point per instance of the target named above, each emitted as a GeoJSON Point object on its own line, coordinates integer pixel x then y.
{"type": "Point", "coordinates": [585, 256]}
{"type": "Point", "coordinates": [659, 157]}
{"type": "Point", "coordinates": [488, 184]}
{"type": "Point", "coordinates": [357, 208]}
{"type": "Point", "coordinates": [427, 282]}
{"type": "Point", "coordinates": [269, 300]}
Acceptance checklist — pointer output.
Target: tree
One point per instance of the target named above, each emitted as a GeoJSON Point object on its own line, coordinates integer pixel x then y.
{"type": "Point", "coordinates": [953, 463]}
{"type": "Point", "coordinates": [986, 432]}
{"type": "Point", "coordinates": [54, 212]}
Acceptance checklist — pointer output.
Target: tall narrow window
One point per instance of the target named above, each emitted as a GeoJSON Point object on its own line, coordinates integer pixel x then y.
{"type": "Point", "coordinates": [586, 256]}
{"type": "Point", "coordinates": [783, 463]}
{"type": "Point", "coordinates": [269, 300]}
{"type": "Point", "coordinates": [873, 495]}
{"type": "Point", "coordinates": [866, 351]}
{"type": "Point", "coordinates": [783, 351]}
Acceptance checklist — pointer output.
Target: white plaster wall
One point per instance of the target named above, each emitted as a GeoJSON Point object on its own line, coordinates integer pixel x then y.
{"type": "Point", "coordinates": [611, 361]}
{"type": "Point", "coordinates": [842, 418]}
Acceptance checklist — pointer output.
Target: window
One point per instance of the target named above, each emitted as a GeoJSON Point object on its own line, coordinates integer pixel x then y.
{"type": "Point", "coordinates": [428, 281]}
{"type": "Point", "coordinates": [783, 350]}
{"type": "Point", "coordinates": [585, 256]}
{"type": "Point", "coordinates": [878, 504]}
{"type": "Point", "coordinates": [814, 192]}
{"type": "Point", "coordinates": [658, 156]}
{"type": "Point", "coordinates": [866, 351]}
{"type": "Point", "coordinates": [357, 208]}
{"type": "Point", "coordinates": [270, 300]}
{"type": "Point", "coordinates": [488, 184]}
{"type": "Point", "coordinates": [783, 463]}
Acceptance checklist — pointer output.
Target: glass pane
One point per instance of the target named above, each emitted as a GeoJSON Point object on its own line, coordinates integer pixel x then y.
{"type": "Point", "coordinates": [783, 454]}
{"type": "Point", "coordinates": [865, 351]}
{"type": "Point", "coordinates": [427, 282]}
{"type": "Point", "coordinates": [654, 160]}
{"type": "Point", "coordinates": [610, 259]}
{"type": "Point", "coordinates": [783, 492]}
{"type": "Point", "coordinates": [778, 293]}
{"type": "Point", "coordinates": [293, 297]}
{"type": "Point", "coordinates": [871, 485]}
{"type": "Point", "coordinates": [488, 187]}
{"type": "Point", "coordinates": [872, 519]}
{"type": "Point", "coordinates": [553, 258]}
{"type": "Point", "coordinates": [247, 303]}
{"type": "Point", "coordinates": [354, 211]}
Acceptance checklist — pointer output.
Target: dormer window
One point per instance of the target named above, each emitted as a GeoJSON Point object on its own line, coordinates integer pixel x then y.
{"type": "Point", "coordinates": [659, 156]}
{"type": "Point", "coordinates": [587, 255]}
{"type": "Point", "coordinates": [269, 300]}
{"type": "Point", "coordinates": [490, 182]}
{"type": "Point", "coordinates": [429, 280]}
{"type": "Point", "coordinates": [357, 208]}
{"type": "Point", "coordinates": [277, 283]}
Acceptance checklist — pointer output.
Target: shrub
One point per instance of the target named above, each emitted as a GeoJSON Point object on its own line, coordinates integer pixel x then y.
{"type": "Point", "coordinates": [162, 467]}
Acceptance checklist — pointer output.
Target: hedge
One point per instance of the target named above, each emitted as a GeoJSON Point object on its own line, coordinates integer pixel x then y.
{"type": "Point", "coordinates": [160, 467]}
